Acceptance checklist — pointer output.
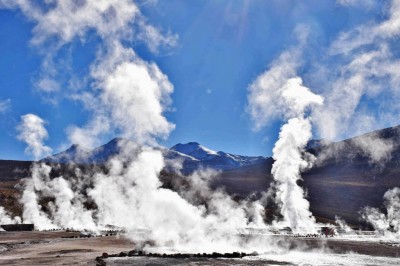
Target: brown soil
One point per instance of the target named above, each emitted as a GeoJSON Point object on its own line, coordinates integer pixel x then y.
{"type": "Point", "coordinates": [49, 248]}
{"type": "Point", "coordinates": [52, 248]}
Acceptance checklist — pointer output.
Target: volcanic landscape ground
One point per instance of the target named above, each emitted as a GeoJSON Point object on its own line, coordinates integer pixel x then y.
{"type": "Point", "coordinates": [72, 248]}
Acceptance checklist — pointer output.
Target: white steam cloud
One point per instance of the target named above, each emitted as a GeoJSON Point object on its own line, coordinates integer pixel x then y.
{"type": "Point", "coordinates": [132, 197]}
{"type": "Point", "coordinates": [32, 211]}
{"type": "Point", "coordinates": [264, 97]}
{"type": "Point", "coordinates": [265, 101]}
{"type": "Point", "coordinates": [33, 133]}
{"type": "Point", "coordinates": [66, 211]}
{"type": "Point", "coordinates": [5, 218]}
{"type": "Point", "coordinates": [387, 224]}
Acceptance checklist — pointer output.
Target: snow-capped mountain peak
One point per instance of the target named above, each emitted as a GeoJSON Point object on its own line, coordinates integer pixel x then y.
{"type": "Point", "coordinates": [195, 150]}
{"type": "Point", "coordinates": [217, 160]}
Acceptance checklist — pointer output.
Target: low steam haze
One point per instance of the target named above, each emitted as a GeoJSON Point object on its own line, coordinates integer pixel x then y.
{"type": "Point", "coordinates": [275, 80]}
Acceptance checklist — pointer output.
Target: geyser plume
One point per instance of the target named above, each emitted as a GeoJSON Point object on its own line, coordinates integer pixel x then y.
{"type": "Point", "coordinates": [31, 130]}
{"type": "Point", "coordinates": [277, 90]}
{"type": "Point", "coordinates": [290, 157]}
{"type": "Point", "coordinates": [386, 224]}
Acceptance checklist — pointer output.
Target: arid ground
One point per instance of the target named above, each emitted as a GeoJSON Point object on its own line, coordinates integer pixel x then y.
{"type": "Point", "coordinates": [58, 248]}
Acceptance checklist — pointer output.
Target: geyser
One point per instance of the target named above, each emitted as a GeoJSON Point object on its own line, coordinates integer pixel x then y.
{"type": "Point", "coordinates": [291, 158]}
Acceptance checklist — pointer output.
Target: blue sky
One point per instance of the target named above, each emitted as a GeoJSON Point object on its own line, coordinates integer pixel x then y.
{"type": "Point", "coordinates": [222, 47]}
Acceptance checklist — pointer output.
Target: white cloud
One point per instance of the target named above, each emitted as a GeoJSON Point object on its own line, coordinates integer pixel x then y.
{"type": "Point", "coordinates": [67, 19]}
{"type": "Point", "coordinates": [357, 3]}
{"type": "Point", "coordinates": [5, 105]}
{"type": "Point", "coordinates": [369, 33]}
{"type": "Point", "coordinates": [154, 39]}
{"type": "Point", "coordinates": [48, 85]}
{"type": "Point", "coordinates": [59, 22]}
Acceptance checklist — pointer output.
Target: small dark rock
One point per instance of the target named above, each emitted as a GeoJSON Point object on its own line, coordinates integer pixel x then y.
{"type": "Point", "coordinates": [132, 253]}
{"type": "Point", "coordinates": [122, 254]}
{"type": "Point", "coordinates": [100, 261]}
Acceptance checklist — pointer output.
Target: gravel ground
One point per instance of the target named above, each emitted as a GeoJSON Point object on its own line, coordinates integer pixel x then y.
{"type": "Point", "coordinates": [53, 248]}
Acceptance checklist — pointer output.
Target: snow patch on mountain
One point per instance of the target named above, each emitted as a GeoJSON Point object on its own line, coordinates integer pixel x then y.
{"type": "Point", "coordinates": [195, 150]}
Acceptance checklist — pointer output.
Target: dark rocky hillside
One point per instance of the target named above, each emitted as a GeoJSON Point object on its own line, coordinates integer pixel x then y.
{"type": "Point", "coordinates": [14, 170]}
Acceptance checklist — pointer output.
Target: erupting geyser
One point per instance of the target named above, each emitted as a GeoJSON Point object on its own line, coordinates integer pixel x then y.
{"type": "Point", "coordinates": [291, 159]}
{"type": "Point", "coordinates": [279, 93]}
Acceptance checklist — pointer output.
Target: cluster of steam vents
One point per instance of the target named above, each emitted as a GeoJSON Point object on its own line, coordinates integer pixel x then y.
{"type": "Point", "coordinates": [133, 95]}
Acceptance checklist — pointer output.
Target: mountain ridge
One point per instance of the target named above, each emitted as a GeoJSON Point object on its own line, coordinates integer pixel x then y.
{"type": "Point", "coordinates": [192, 155]}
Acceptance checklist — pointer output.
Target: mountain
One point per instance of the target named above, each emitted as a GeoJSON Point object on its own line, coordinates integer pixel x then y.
{"type": "Point", "coordinates": [79, 155]}
{"type": "Point", "coordinates": [216, 160]}
{"type": "Point", "coordinates": [195, 150]}
{"type": "Point", "coordinates": [192, 155]}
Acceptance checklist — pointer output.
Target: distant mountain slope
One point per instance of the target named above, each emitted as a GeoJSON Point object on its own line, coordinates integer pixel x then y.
{"type": "Point", "coordinates": [343, 180]}
{"type": "Point", "coordinates": [80, 155]}
{"type": "Point", "coordinates": [11, 170]}
{"type": "Point", "coordinates": [354, 173]}
{"type": "Point", "coordinates": [192, 156]}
